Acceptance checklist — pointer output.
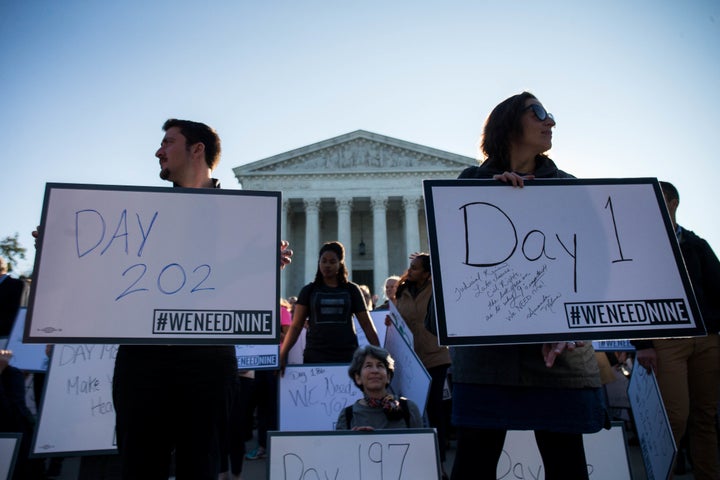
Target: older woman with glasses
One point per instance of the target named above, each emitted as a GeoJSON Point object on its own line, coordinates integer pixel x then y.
{"type": "Point", "coordinates": [372, 369]}
{"type": "Point", "coordinates": [553, 389]}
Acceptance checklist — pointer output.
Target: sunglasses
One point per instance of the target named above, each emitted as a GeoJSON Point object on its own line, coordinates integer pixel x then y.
{"type": "Point", "coordinates": [540, 112]}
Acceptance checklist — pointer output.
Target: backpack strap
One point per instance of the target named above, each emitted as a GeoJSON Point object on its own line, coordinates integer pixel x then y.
{"type": "Point", "coordinates": [406, 411]}
{"type": "Point", "coordinates": [349, 416]}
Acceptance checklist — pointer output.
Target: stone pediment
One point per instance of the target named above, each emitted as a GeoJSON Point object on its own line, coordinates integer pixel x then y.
{"type": "Point", "coordinates": [358, 151]}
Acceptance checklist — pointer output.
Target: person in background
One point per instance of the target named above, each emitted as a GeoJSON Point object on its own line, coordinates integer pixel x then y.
{"type": "Point", "coordinates": [412, 299]}
{"type": "Point", "coordinates": [389, 292]}
{"type": "Point", "coordinates": [329, 303]}
{"type": "Point", "coordinates": [372, 370]}
{"type": "Point", "coordinates": [367, 296]}
{"type": "Point", "coordinates": [553, 389]}
{"type": "Point", "coordinates": [266, 393]}
{"type": "Point", "coordinates": [292, 301]}
{"type": "Point", "coordinates": [11, 293]}
{"type": "Point", "coordinates": [177, 397]}
{"type": "Point", "coordinates": [688, 369]}
{"type": "Point", "coordinates": [240, 426]}
{"type": "Point", "coordinates": [15, 417]}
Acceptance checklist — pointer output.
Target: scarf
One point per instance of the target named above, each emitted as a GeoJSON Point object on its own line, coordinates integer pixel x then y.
{"type": "Point", "coordinates": [389, 405]}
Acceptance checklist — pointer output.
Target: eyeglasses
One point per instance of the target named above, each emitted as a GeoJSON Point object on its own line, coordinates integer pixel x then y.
{"type": "Point", "coordinates": [540, 112]}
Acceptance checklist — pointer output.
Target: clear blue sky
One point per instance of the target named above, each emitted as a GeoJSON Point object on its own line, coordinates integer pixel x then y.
{"type": "Point", "coordinates": [85, 86]}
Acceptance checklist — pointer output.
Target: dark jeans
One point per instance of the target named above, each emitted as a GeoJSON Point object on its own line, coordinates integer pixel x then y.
{"type": "Point", "coordinates": [266, 397]}
{"type": "Point", "coordinates": [479, 450]}
{"type": "Point", "coordinates": [435, 409]}
{"type": "Point", "coordinates": [241, 425]}
{"type": "Point", "coordinates": [172, 398]}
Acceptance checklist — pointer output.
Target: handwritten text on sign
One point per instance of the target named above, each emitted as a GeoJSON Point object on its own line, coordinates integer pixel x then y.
{"type": "Point", "coordinates": [77, 412]}
{"type": "Point", "coordinates": [554, 260]}
{"type": "Point", "coordinates": [386, 454]}
{"type": "Point", "coordinates": [152, 265]}
{"type": "Point", "coordinates": [312, 396]}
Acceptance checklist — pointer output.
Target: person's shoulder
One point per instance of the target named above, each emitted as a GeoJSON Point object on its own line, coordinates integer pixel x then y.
{"type": "Point", "coordinates": [477, 171]}
{"type": "Point", "coordinates": [693, 239]}
{"type": "Point", "coordinates": [412, 406]}
{"type": "Point", "coordinates": [12, 285]}
{"type": "Point", "coordinates": [343, 417]}
{"type": "Point", "coordinates": [689, 235]}
{"type": "Point", "coordinates": [411, 413]}
{"type": "Point", "coordinates": [306, 290]}
{"type": "Point", "coordinates": [545, 167]}
{"type": "Point", "coordinates": [13, 280]}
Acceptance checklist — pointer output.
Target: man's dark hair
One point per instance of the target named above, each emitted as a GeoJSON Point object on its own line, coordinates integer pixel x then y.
{"type": "Point", "coordinates": [196, 132]}
{"type": "Point", "coordinates": [503, 125]}
{"type": "Point", "coordinates": [670, 191]}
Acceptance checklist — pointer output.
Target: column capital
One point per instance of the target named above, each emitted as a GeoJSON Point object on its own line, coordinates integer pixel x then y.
{"type": "Point", "coordinates": [311, 204]}
{"type": "Point", "coordinates": [344, 204]}
{"type": "Point", "coordinates": [379, 203]}
{"type": "Point", "coordinates": [411, 201]}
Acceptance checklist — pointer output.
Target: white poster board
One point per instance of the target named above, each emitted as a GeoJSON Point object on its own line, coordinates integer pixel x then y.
{"type": "Point", "coordinates": [258, 357]}
{"type": "Point", "coordinates": [297, 352]}
{"type": "Point", "coordinates": [9, 449]}
{"type": "Point", "coordinates": [26, 356]}
{"type": "Point", "coordinates": [411, 379]}
{"type": "Point", "coordinates": [312, 396]}
{"type": "Point", "coordinates": [156, 266]}
{"type": "Point", "coordinates": [378, 318]}
{"type": "Point", "coordinates": [400, 324]}
{"type": "Point", "coordinates": [556, 260]}
{"type": "Point", "coordinates": [613, 346]}
{"type": "Point", "coordinates": [653, 427]}
{"type": "Point", "coordinates": [77, 414]}
{"type": "Point", "coordinates": [382, 454]}
{"type": "Point", "coordinates": [605, 452]}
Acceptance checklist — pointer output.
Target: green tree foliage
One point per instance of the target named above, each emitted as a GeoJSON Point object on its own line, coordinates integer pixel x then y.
{"type": "Point", "coordinates": [11, 250]}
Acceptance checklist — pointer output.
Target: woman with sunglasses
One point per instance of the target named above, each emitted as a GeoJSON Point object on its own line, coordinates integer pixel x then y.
{"type": "Point", "coordinates": [553, 389]}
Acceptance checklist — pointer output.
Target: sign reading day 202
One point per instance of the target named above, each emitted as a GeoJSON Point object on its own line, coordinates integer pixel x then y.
{"type": "Point", "coordinates": [556, 260]}
{"type": "Point", "coordinates": [156, 265]}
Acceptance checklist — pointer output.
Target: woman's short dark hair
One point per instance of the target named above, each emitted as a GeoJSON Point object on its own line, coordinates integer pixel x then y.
{"type": "Point", "coordinates": [502, 127]}
{"type": "Point", "coordinates": [338, 249]}
{"type": "Point", "coordinates": [378, 353]}
{"type": "Point", "coordinates": [196, 132]}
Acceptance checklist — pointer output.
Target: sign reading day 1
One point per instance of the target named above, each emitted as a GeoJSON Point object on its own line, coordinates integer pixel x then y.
{"type": "Point", "coordinates": [156, 266]}
{"type": "Point", "coordinates": [556, 260]}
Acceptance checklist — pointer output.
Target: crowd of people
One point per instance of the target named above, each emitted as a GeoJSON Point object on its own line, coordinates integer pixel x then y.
{"type": "Point", "coordinates": [553, 389]}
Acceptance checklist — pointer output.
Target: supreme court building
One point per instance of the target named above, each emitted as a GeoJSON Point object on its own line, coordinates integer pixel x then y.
{"type": "Point", "coordinates": [362, 189]}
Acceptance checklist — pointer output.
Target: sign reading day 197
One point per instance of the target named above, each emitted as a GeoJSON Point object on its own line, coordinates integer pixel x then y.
{"type": "Point", "coordinates": [556, 260]}
{"type": "Point", "coordinates": [156, 265]}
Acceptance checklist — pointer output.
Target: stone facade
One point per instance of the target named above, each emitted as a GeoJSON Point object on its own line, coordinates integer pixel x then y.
{"type": "Point", "coordinates": [362, 189]}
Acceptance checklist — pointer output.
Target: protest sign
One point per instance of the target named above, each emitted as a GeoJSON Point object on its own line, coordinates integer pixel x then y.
{"type": "Point", "coordinates": [28, 357]}
{"type": "Point", "coordinates": [559, 259]}
{"type": "Point", "coordinates": [77, 414]}
{"type": "Point", "coordinates": [653, 427]}
{"type": "Point", "coordinates": [9, 448]}
{"type": "Point", "coordinates": [410, 379]}
{"type": "Point", "coordinates": [258, 357]}
{"type": "Point", "coordinates": [312, 396]}
{"type": "Point", "coordinates": [605, 452]}
{"type": "Point", "coordinates": [156, 266]}
{"type": "Point", "coordinates": [396, 454]}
